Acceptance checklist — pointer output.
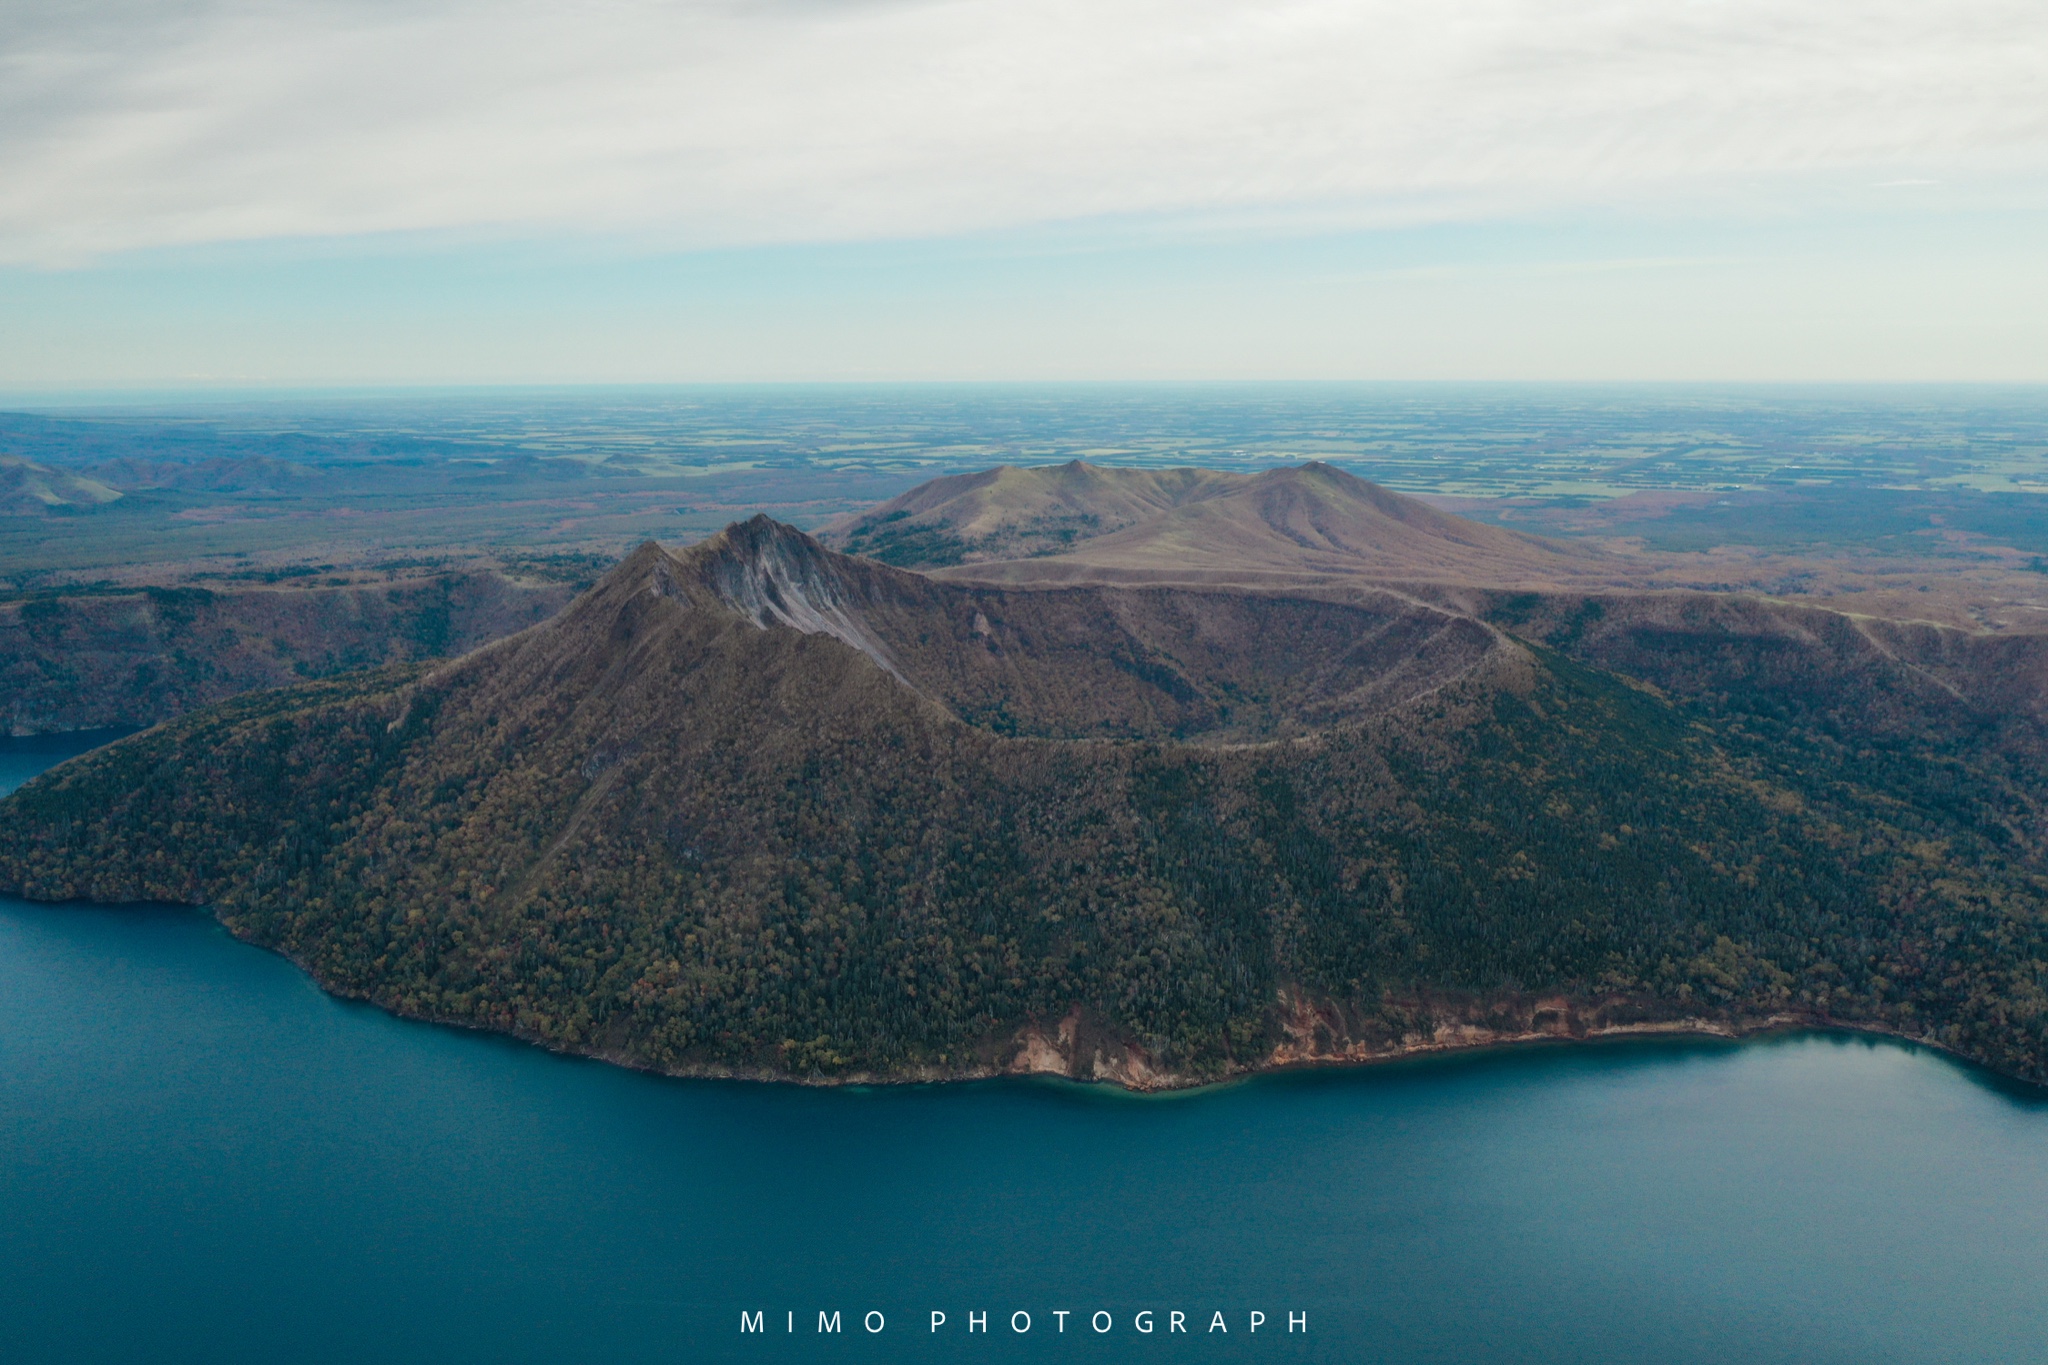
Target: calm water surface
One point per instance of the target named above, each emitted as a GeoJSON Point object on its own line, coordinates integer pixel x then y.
{"type": "Point", "coordinates": [203, 1158]}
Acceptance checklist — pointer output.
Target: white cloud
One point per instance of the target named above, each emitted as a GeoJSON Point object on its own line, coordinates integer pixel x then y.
{"type": "Point", "coordinates": [134, 124]}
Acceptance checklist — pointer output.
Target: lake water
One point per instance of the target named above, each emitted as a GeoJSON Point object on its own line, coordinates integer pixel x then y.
{"type": "Point", "coordinates": [203, 1158]}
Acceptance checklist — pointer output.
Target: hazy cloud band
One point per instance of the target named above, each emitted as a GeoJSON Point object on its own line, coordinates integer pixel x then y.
{"type": "Point", "coordinates": [702, 123]}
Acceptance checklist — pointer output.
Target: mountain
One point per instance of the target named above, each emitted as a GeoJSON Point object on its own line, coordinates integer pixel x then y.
{"type": "Point", "coordinates": [223, 474]}
{"type": "Point", "coordinates": [85, 658]}
{"type": "Point", "coordinates": [1100, 661]}
{"type": "Point", "coordinates": [26, 486]}
{"type": "Point", "coordinates": [1016, 513]}
{"type": "Point", "coordinates": [759, 808]}
{"type": "Point", "coordinates": [1079, 523]}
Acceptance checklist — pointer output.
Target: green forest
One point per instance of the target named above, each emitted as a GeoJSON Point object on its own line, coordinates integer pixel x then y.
{"type": "Point", "coordinates": [821, 876]}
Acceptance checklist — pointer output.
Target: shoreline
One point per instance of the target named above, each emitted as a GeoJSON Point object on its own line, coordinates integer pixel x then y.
{"type": "Point", "coordinates": [1176, 1085]}
{"type": "Point", "coordinates": [1465, 1041]}
{"type": "Point", "coordinates": [1033, 1053]}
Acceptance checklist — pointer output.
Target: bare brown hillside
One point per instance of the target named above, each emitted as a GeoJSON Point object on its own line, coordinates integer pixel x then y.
{"type": "Point", "coordinates": [1315, 528]}
{"type": "Point", "coordinates": [1016, 513]}
{"type": "Point", "coordinates": [1079, 523]}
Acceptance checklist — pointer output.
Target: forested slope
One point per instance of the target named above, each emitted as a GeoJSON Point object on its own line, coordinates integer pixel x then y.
{"type": "Point", "coordinates": [737, 811]}
{"type": "Point", "coordinates": [74, 660]}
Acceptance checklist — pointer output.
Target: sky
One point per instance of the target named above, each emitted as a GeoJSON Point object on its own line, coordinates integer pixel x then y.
{"type": "Point", "coordinates": [292, 192]}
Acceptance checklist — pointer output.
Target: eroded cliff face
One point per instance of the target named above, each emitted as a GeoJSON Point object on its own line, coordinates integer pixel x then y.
{"type": "Point", "coordinates": [772, 574]}
{"type": "Point", "coordinates": [1081, 1048]}
{"type": "Point", "coordinates": [1324, 1033]}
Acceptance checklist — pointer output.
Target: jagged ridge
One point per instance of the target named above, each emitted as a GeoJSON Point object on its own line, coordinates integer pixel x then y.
{"type": "Point", "coordinates": [1086, 661]}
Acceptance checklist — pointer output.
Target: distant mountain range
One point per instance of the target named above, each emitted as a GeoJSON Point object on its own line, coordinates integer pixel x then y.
{"type": "Point", "coordinates": [1150, 777]}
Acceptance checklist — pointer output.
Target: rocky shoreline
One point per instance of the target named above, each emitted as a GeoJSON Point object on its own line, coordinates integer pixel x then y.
{"type": "Point", "coordinates": [1036, 1056]}
{"type": "Point", "coordinates": [1077, 1048]}
{"type": "Point", "coordinates": [1315, 1036]}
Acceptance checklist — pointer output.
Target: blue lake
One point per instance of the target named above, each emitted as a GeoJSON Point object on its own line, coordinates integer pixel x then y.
{"type": "Point", "coordinates": [204, 1158]}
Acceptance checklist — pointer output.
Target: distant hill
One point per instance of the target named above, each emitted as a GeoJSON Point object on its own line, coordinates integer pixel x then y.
{"type": "Point", "coordinates": [29, 487]}
{"type": "Point", "coordinates": [238, 474]}
{"type": "Point", "coordinates": [1079, 523]}
{"type": "Point", "coordinates": [758, 808]}
{"type": "Point", "coordinates": [1013, 513]}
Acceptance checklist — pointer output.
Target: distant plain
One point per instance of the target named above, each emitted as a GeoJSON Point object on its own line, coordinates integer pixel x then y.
{"type": "Point", "coordinates": [1819, 493]}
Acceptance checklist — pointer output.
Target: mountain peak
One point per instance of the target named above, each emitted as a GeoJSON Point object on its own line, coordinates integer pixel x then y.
{"type": "Point", "coordinates": [768, 571]}
{"type": "Point", "coordinates": [772, 574]}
